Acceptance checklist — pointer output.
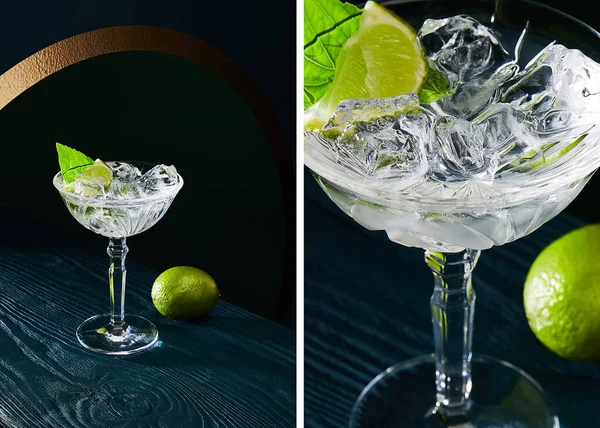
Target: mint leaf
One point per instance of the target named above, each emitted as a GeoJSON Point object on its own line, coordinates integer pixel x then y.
{"type": "Point", "coordinates": [71, 161]}
{"type": "Point", "coordinates": [436, 87]}
{"type": "Point", "coordinates": [327, 26]}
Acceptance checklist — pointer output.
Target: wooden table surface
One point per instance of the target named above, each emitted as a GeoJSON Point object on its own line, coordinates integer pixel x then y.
{"type": "Point", "coordinates": [367, 308]}
{"type": "Point", "coordinates": [233, 369]}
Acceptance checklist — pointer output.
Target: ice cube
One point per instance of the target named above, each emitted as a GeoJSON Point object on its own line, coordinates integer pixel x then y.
{"type": "Point", "coordinates": [458, 151]}
{"type": "Point", "coordinates": [507, 130]}
{"type": "Point", "coordinates": [382, 137]}
{"type": "Point", "coordinates": [158, 178]}
{"type": "Point", "coordinates": [461, 47]}
{"type": "Point", "coordinates": [87, 186]}
{"type": "Point", "coordinates": [124, 171]}
{"type": "Point", "coordinates": [471, 97]}
{"type": "Point", "coordinates": [559, 91]}
{"type": "Point", "coordinates": [509, 135]}
{"type": "Point", "coordinates": [120, 190]}
{"type": "Point", "coordinates": [398, 149]}
{"type": "Point", "coordinates": [353, 111]}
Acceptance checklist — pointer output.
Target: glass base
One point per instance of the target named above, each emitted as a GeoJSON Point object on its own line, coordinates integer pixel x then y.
{"type": "Point", "coordinates": [136, 335]}
{"type": "Point", "coordinates": [503, 396]}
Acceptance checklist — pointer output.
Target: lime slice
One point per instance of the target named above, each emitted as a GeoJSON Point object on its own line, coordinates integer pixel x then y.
{"type": "Point", "coordinates": [90, 179]}
{"type": "Point", "coordinates": [382, 59]}
{"type": "Point", "coordinates": [83, 188]}
{"type": "Point", "coordinates": [99, 172]}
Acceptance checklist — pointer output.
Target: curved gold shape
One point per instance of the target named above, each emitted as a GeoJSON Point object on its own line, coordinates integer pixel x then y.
{"type": "Point", "coordinates": [109, 40]}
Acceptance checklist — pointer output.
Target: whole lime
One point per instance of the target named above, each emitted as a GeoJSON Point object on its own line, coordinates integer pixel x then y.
{"type": "Point", "coordinates": [562, 295]}
{"type": "Point", "coordinates": [184, 293]}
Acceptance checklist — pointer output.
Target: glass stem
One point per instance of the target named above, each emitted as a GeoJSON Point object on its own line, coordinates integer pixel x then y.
{"type": "Point", "coordinates": [117, 251]}
{"type": "Point", "coordinates": [452, 309]}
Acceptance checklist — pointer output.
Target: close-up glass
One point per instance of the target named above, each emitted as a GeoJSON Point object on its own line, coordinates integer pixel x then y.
{"type": "Point", "coordinates": [135, 200]}
{"type": "Point", "coordinates": [505, 152]}
{"type": "Point", "coordinates": [113, 311]}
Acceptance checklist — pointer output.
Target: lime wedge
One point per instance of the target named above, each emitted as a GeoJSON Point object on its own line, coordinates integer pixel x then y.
{"type": "Point", "coordinates": [90, 180]}
{"type": "Point", "coordinates": [99, 172]}
{"type": "Point", "coordinates": [382, 59]}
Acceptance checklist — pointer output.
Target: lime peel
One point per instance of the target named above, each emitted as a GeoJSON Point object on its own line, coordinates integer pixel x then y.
{"type": "Point", "coordinates": [562, 295]}
{"type": "Point", "coordinates": [382, 59]}
{"type": "Point", "coordinates": [99, 172]}
{"type": "Point", "coordinates": [184, 293]}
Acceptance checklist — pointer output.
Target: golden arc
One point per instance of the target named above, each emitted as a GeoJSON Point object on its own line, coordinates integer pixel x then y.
{"type": "Point", "coordinates": [94, 43]}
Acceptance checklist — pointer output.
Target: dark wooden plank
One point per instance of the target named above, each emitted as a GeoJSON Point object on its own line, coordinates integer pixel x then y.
{"type": "Point", "coordinates": [367, 307]}
{"type": "Point", "coordinates": [233, 369]}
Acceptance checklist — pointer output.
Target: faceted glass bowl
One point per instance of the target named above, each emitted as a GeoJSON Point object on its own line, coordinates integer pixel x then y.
{"type": "Point", "coordinates": [451, 216]}
{"type": "Point", "coordinates": [118, 218]}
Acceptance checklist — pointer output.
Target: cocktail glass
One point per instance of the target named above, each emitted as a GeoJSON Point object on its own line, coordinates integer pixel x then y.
{"type": "Point", "coordinates": [117, 332]}
{"type": "Point", "coordinates": [453, 388]}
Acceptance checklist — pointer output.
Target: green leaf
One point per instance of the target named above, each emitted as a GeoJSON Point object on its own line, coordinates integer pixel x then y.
{"type": "Point", "coordinates": [436, 87]}
{"type": "Point", "coordinates": [71, 162]}
{"type": "Point", "coordinates": [327, 26]}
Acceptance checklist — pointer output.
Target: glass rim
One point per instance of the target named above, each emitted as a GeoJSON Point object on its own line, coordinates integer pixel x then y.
{"type": "Point", "coordinates": [532, 2]}
{"type": "Point", "coordinates": [108, 203]}
{"type": "Point", "coordinates": [535, 187]}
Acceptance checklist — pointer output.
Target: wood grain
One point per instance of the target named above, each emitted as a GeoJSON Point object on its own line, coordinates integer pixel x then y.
{"type": "Point", "coordinates": [233, 369]}
{"type": "Point", "coordinates": [367, 308]}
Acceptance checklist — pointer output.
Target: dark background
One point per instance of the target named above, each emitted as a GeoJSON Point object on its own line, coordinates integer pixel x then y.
{"type": "Point", "coordinates": [235, 216]}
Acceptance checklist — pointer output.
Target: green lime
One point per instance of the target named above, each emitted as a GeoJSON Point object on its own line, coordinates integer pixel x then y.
{"type": "Point", "coordinates": [562, 295]}
{"type": "Point", "coordinates": [99, 172]}
{"type": "Point", "coordinates": [184, 293]}
{"type": "Point", "coordinates": [89, 179]}
{"type": "Point", "coordinates": [382, 59]}
{"type": "Point", "coordinates": [83, 188]}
